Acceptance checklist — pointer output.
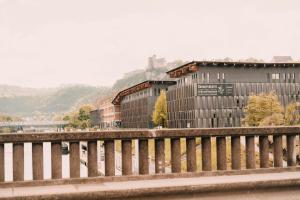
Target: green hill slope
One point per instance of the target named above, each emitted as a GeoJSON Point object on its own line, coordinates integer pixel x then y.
{"type": "Point", "coordinates": [57, 100]}
{"type": "Point", "coordinates": [19, 101]}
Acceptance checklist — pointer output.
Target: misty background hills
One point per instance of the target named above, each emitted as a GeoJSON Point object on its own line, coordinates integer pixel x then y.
{"type": "Point", "coordinates": [20, 101]}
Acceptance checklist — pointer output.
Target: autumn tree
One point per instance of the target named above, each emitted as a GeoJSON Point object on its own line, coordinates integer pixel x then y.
{"type": "Point", "coordinates": [7, 118]}
{"type": "Point", "coordinates": [80, 118]}
{"type": "Point", "coordinates": [273, 120]}
{"type": "Point", "coordinates": [263, 110]}
{"type": "Point", "coordinates": [160, 112]}
{"type": "Point", "coordinates": [292, 115]}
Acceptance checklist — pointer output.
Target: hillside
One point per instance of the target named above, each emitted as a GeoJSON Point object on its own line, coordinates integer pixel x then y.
{"type": "Point", "coordinates": [20, 101]}
{"type": "Point", "coordinates": [12, 91]}
{"type": "Point", "coordinates": [27, 102]}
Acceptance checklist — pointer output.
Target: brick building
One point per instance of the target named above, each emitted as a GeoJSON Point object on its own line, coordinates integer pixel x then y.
{"type": "Point", "coordinates": [107, 115]}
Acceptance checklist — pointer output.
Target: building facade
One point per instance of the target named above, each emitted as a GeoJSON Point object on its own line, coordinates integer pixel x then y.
{"type": "Point", "coordinates": [95, 118]}
{"type": "Point", "coordinates": [137, 103]}
{"type": "Point", "coordinates": [214, 94]}
{"type": "Point", "coordinates": [107, 115]}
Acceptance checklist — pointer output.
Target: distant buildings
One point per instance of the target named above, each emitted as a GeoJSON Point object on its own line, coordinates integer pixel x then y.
{"type": "Point", "coordinates": [154, 62]}
{"type": "Point", "coordinates": [137, 103]}
{"type": "Point", "coordinates": [106, 115]}
{"type": "Point", "coordinates": [96, 118]}
{"type": "Point", "coordinates": [282, 59]}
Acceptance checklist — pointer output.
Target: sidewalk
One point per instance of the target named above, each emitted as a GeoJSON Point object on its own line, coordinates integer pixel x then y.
{"type": "Point", "coordinates": [155, 187]}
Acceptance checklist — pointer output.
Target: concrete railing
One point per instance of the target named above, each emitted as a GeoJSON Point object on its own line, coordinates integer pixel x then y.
{"type": "Point", "coordinates": [126, 137]}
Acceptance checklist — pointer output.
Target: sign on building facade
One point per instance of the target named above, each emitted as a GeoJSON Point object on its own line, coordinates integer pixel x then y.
{"type": "Point", "coordinates": [215, 89]}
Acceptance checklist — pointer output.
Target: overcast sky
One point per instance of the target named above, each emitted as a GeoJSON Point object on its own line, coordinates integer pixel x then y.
{"type": "Point", "coordinates": [46, 43]}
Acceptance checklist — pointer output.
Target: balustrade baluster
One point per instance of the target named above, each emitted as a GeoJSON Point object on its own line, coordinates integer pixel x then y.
{"type": "Point", "coordinates": [236, 152]}
{"type": "Point", "coordinates": [291, 156]}
{"type": "Point", "coordinates": [191, 154]}
{"type": "Point", "coordinates": [159, 156]}
{"type": "Point", "coordinates": [37, 161]}
{"type": "Point", "coordinates": [18, 162]}
{"type": "Point", "coordinates": [142, 149]}
{"type": "Point", "coordinates": [109, 151]}
{"type": "Point", "coordinates": [278, 151]}
{"type": "Point", "coordinates": [2, 164]}
{"type": "Point", "coordinates": [175, 155]}
{"type": "Point", "coordinates": [126, 157]}
{"type": "Point", "coordinates": [221, 153]}
{"type": "Point", "coordinates": [74, 160]}
{"type": "Point", "coordinates": [56, 160]}
{"type": "Point", "coordinates": [264, 151]}
{"type": "Point", "coordinates": [92, 159]}
{"type": "Point", "coordinates": [143, 157]}
{"type": "Point", "coordinates": [206, 153]}
{"type": "Point", "coordinates": [250, 152]}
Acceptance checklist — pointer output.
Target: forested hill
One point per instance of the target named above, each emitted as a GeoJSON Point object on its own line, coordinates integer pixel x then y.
{"type": "Point", "coordinates": [19, 101]}
{"type": "Point", "coordinates": [27, 101]}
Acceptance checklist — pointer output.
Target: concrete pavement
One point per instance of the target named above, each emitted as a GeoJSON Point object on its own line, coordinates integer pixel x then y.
{"type": "Point", "coordinates": [182, 188]}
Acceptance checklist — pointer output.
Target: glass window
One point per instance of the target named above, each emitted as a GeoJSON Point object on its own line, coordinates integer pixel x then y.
{"type": "Point", "coordinates": [275, 76]}
{"type": "Point", "coordinates": [207, 75]}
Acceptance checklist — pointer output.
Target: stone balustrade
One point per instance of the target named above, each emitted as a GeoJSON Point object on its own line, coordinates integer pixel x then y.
{"type": "Point", "coordinates": [220, 135]}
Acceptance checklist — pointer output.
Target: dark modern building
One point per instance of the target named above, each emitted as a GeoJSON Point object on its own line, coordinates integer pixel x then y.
{"type": "Point", "coordinates": [137, 103]}
{"type": "Point", "coordinates": [213, 94]}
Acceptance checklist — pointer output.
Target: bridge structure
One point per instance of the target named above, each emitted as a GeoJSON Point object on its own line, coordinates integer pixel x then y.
{"type": "Point", "coordinates": [224, 168]}
{"type": "Point", "coordinates": [33, 124]}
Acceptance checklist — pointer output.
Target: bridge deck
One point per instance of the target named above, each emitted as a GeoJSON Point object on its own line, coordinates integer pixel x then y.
{"type": "Point", "coordinates": [205, 186]}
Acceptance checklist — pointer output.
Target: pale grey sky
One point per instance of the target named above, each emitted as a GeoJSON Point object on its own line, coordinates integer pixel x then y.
{"type": "Point", "coordinates": [46, 43]}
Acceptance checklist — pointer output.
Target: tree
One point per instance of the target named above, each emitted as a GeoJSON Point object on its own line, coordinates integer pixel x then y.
{"type": "Point", "coordinates": [84, 112]}
{"type": "Point", "coordinates": [263, 109]}
{"type": "Point", "coordinates": [80, 118]}
{"type": "Point", "coordinates": [66, 118]}
{"type": "Point", "coordinates": [159, 116]}
{"type": "Point", "coordinates": [292, 115]}
{"type": "Point", "coordinates": [273, 120]}
{"type": "Point", "coordinates": [7, 118]}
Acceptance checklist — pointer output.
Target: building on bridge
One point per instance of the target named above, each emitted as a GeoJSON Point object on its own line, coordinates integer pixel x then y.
{"type": "Point", "coordinates": [213, 94]}
{"type": "Point", "coordinates": [137, 103]}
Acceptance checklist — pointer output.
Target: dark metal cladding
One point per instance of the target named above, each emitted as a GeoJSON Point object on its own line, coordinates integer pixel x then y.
{"type": "Point", "coordinates": [214, 94]}
{"type": "Point", "coordinates": [137, 103]}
